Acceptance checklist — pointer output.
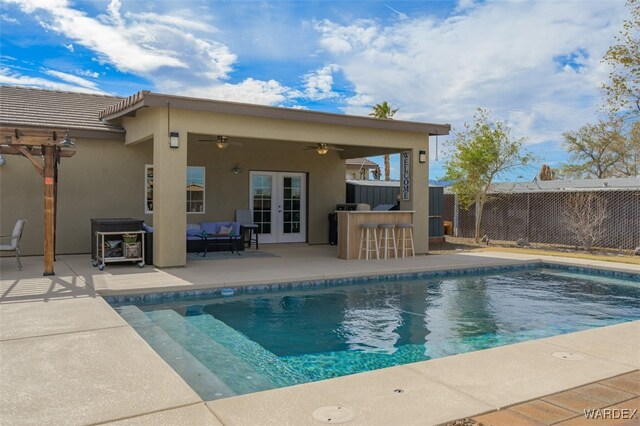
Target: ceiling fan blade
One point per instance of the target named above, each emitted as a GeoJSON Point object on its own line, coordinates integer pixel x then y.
{"type": "Point", "coordinates": [334, 148]}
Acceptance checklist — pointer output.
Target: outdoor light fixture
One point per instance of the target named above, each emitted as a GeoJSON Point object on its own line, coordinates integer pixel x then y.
{"type": "Point", "coordinates": [322, 148]}
{"type": "Point", "coordinates": [236, 169]}
{"type": "Point", "coordinates": [174, 139]}
{"type": "Point", "coordinates": [223, 142]}
{"type": "Point", "coordinates": [67, 142]}
{"type": "Point", "coordinates": [422, 156]}
{"type": "Point", "coordinates": [2, 160]}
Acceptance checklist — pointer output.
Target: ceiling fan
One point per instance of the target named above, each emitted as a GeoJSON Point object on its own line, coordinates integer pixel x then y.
{"type": "Point", "coordinates": [322, 148]}
{"type": "Point", "coordinates": [222, 142]}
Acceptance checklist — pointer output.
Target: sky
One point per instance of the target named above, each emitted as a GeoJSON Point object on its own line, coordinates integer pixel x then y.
{"type": "Point", "coordinates": [536, 65]}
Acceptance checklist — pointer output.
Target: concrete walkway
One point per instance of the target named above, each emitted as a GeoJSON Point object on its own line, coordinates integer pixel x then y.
{"type": "Point", "coordinates": [66, 357]}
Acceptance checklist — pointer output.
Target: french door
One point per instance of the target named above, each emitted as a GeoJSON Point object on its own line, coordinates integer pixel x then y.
{"type": "Point", "coordinates": [278, 202]}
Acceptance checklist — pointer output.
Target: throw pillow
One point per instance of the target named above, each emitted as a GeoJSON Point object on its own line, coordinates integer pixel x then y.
{"type": "Point", "coordinates": [226, 230]}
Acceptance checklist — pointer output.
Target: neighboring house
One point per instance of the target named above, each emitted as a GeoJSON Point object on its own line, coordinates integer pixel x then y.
{"type": "Point", "coordinates": [361, 169]}
{"type": "Point", "coordinates": [135, 157]}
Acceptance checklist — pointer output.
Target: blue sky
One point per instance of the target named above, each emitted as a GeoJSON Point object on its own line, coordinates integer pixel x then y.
{"type": "Point", "coordinates": [534, 64]}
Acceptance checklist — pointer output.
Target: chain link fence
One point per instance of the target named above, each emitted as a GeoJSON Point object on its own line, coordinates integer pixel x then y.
{"type": "Point", "coordinates": [540, 217]}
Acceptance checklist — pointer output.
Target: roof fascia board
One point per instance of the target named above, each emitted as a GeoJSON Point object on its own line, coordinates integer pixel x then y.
{"type": "Point", "coordinates": [225, 107]}
{"type": "Point", "coordinates": [74, 132]}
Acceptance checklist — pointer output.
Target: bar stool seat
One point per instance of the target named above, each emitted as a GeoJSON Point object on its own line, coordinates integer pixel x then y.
{"type": "Point", "coordinates": [368, 236]}
{"type": "Point", "coordinates": [388, 239]}
{"type": "Point", "coordinates": [405, 239]}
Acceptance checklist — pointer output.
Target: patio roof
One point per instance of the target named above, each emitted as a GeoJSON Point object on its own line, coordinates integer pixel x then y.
{"type": "Point", "coordinates": [129, 106]}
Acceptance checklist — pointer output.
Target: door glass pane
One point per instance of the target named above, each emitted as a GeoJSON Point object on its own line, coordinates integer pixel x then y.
{"type": "Point", "coordinates": [195, 189]}
{"type": "Point", "coordinates": [262, 186]}
{"type": "Point", "coordinates": [291, 205]}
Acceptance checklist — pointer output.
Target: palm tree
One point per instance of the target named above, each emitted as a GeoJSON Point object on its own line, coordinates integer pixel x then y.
{"type": "Point", "coordinates": [384, 111]}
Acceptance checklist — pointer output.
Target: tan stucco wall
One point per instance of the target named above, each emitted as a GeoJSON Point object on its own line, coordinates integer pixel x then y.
{"type": "Point", "coordinates": [103, 179]}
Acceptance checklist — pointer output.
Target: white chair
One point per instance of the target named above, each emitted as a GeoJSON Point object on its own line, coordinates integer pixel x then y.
{"type": "Point", "coordinates": [15, 240]}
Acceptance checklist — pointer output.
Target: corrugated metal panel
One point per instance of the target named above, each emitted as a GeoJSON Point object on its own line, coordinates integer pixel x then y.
{"type": "Point", "coordinates": [375, 195]}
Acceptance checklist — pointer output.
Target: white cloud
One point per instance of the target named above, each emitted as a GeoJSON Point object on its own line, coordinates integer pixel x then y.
{"type": "Point", "coordinates": [73, 79]}
{"type": "Point", "coordinates": [250, 91]}
{"type": "Point", "coordinates": [88, 73]}
{"type": "Point", "coordinates": [120, 46]}
{"type": "Point", "coordinates": [175, 51]}
{"type": "Point", "coordinates": [340, 39]}
{"type": "Point", "coordinates": [319, 83]}
{"type": "Point", "coordinates": [8, 19]}
{"type": "Point", "coordinates": [506, 56]}
{"type": "Point", "coordinates": [10, 77]}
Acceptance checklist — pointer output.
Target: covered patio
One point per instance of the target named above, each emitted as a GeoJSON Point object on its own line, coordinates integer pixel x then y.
{"type": "Point", "coordinates": [286, 165]}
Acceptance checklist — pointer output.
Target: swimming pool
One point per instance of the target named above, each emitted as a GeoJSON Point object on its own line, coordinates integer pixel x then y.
{"type": "Point", "coordinates": [224, 346]}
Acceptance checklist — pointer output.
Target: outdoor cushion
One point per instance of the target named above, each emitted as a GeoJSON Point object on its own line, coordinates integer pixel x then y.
{"type": "Point", "coordinates": [193, 230]}
{"type": "Point", "coordinates": [226, 230]}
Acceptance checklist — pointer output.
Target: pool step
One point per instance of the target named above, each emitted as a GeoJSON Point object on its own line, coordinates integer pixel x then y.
{"type": "Point", "coordinates": [200, 378]}
{"type": "Point", "coordinates": [339, 363]}
{"type": "Point", "coordinates": [237, 374]}
{"type": "Point", "coordinates": [264, 361]}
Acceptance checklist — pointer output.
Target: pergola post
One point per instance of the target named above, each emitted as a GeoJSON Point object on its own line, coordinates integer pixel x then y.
{"type": "Point", "coordinates": [49, 207]}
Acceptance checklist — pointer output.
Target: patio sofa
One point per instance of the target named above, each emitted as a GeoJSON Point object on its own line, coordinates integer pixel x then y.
{"type": "Point", "coordinates": [195, 230]}
{"type": "Point", "coordinates": [194, 240]}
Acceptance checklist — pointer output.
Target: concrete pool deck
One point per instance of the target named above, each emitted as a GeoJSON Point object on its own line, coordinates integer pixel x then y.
{"type": "Point", "coordinates": [66, 357]}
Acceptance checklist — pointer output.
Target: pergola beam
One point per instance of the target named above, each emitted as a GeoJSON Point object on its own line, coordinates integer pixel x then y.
{"type": "Point", "coordinates": [30, 136]}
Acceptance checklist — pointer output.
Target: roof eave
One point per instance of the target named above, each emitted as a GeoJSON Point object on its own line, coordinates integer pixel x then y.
{"type": "Point", "coordinates": [237, 108]}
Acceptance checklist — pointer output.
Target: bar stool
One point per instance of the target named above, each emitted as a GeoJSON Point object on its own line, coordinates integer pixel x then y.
{"type": "Point", "coordinates": [388, 239]}
{"type": "Point", "coordinates": [368, 235]}
{"type": "Point", "coordinates": [405, 237]}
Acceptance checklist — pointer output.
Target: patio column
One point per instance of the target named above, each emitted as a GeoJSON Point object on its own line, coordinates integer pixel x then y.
{"type": "Point", "coordinates": [169, 199]}
{"type": "Point", "coordinates": [418, 199]}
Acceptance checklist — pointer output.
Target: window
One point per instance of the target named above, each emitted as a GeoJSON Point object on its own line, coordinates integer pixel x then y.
{"type": "Point", "coordinates": [195, 189]}
{"type": "Point", "coordinates": [195, 186]}
{"type": "Point", "coordinates": [148, 189]}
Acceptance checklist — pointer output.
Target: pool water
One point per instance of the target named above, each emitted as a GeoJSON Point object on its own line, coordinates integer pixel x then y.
{"type": "Point", "coordinates": [224, 346]}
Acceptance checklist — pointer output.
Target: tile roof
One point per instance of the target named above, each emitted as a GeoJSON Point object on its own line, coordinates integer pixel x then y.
{"type": "Point", "coordinates": [360, 162]}
{"type": "Point", "coordinates": [21, 106]}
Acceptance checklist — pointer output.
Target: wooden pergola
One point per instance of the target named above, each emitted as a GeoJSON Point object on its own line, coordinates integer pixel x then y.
{"type": "Point", "coordinates": [44, 148]}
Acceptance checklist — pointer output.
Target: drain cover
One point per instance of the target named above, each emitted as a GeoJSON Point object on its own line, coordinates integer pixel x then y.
{"type": "Point", "coordinates": [569, 356]}
{"type": "Point", "coordinates": [333, 414]}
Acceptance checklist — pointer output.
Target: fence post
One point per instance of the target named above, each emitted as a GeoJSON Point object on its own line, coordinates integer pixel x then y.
{"type": "Point", "coordinates": [455, 215]}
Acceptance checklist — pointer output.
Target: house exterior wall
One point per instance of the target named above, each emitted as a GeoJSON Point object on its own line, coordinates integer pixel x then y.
{"type": "Point", "coordinates": [103, 179]}
{"type": "Point", "coordinates": [106, 179]}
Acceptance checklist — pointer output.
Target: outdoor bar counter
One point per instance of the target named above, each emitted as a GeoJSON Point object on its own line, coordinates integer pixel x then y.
{"type": "Point", "coordinates": [349, 227]}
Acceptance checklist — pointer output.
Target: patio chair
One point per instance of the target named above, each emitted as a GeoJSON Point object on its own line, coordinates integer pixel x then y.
{"type": "Point", "coordinates": [245, 218]}
{"type": "Point", "coordinates": [15, 240]}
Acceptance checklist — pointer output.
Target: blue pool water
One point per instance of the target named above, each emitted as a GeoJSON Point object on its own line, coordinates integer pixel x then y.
{"type": "Point", "coordinates": [226, 346]}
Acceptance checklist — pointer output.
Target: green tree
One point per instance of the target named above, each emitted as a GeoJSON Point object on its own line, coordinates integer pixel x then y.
{"type": "Point", "coordinates": [384, 111]}
{"type": "Point", "coordinates": [479, 154]}
{"type": "Point", "coordinates": [623, 88]}
{"type": "Point", "coordinates": [610, 148]}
